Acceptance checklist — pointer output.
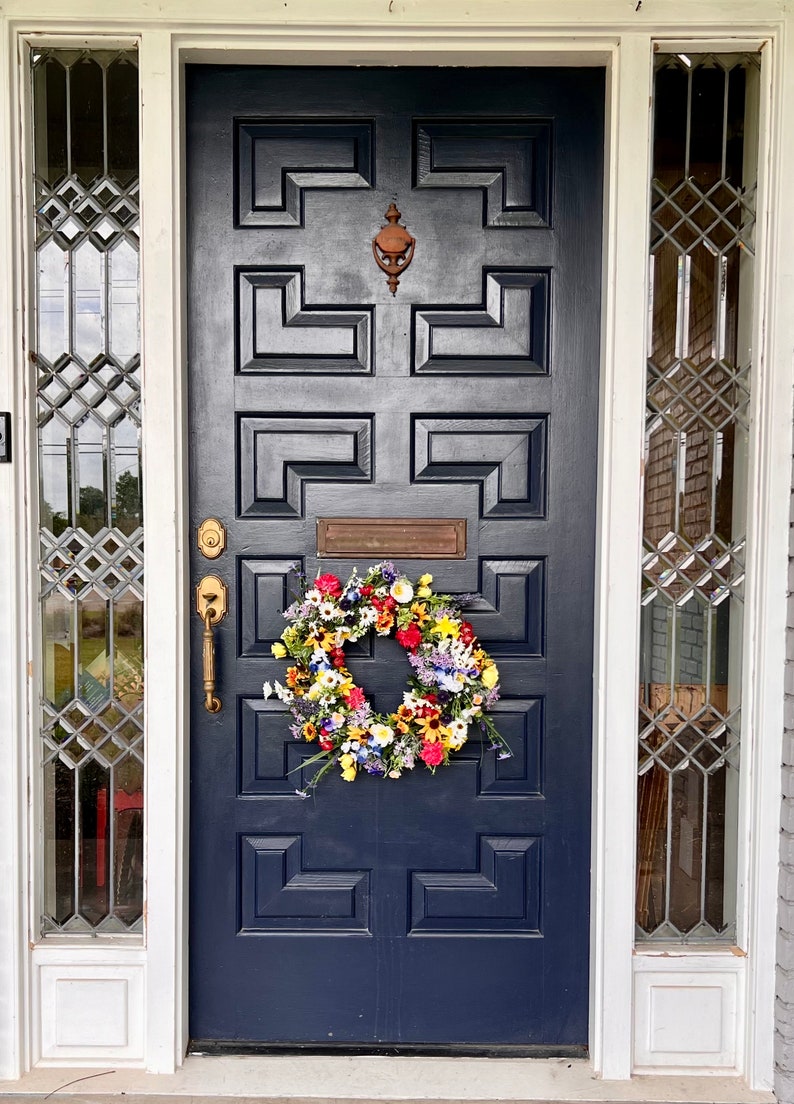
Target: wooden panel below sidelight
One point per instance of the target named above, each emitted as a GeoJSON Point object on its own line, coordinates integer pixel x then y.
{"type": "Point", "coordinates": [406, 538]}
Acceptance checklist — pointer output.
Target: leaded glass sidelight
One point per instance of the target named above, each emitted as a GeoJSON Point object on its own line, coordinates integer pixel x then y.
{"type": "Point", "coordinates": [696, 440]}
{"type": "Point", "coordinates": [87, 362]}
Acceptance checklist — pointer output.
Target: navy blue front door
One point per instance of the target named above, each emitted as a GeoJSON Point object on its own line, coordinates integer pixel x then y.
{"type": "Point", "coordinates": [449, 910]}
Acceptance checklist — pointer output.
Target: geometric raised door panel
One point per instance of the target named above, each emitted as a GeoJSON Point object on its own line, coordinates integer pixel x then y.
{"type": "Point", "coordinates": [278, 332]}
{"type": "Point", "coordinates": [276, 162]}
{"type": "Point", "coordinates": [520, 722]}
{"type": "Point", "coordinates": [278, 892]}
{"type": "Point", "coordinates": [269, 759]}
{"type": "Point", "coordinates": [501, 896]}
{"type": "Point", "coordinates": [509, 612]}
{"type": "Point", "coordinates": [506, 333]}
{"type": "Point", "coordinates": [278, 455]}
{"type": "Point", "coordinates": [510, 160]}
{"type": "Point", "coordinates": [264, 591]}
{"type": "Point", "coordinates": [507, 456]}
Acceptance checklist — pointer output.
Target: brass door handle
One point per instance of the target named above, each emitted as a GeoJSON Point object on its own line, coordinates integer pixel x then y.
{"type": "Point", "coordinates": [211, 603]}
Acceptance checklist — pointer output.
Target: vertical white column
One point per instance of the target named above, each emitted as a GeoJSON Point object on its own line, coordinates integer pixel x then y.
{"type": "Point", "coordinates": [768, 537]}
{"type": "Point", "coordinates": [13, 591]}
{"type": "Point", "coordinates": [166, 584]}
{"type": "Point", "coordinates": [618, 555]}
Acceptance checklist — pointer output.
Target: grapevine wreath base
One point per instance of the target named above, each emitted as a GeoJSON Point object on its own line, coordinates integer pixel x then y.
{"type": "Point", "coordinates": [452, 685]}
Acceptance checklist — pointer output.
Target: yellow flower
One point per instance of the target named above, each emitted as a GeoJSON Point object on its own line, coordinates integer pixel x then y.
{"type": "Point", "coordinates": [446, 627]}
{"type": "Point", "coordinates": [425, 580]}
{"type": "Point", "coordinates": [419, 610]}
{"type": "Point", "coordinates": [278, 650]}
{"type": "Point", "coordinates": [309, 731]}
{"type": "Point", "coordinates": [431, 728]}
{"type": "Point", "coordinates": [349, 774]}
{"type": "Point", "coordinates": [423, 592]}
{"type": "Point", "coordinates": [490, 676]}
{"type": "Point", "coordinates": [346, 761]}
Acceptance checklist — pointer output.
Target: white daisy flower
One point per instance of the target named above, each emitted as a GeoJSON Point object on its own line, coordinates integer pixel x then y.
{"type": "Point", "coordinates": [368, 616]}
{"type": "Point", "coordinates": [327, 610]}
{"type": "Point", "coordinates": [313, 596]}
{"type": "Point", "coordinates": [284, 694]}
{"type": "Point", "coordinates": [412, 700]}
{"type": "Point", "coordinates": [328, 679]}
{"type": "Point", "coordinates": [458, 733]}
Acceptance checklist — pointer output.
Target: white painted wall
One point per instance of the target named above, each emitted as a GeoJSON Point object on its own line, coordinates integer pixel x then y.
{"type": "Point", "coordinates": [636, 1000]}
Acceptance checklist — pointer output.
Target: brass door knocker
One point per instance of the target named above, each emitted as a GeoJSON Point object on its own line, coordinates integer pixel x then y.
{"type": "Point", "coordinates": [393, 248]}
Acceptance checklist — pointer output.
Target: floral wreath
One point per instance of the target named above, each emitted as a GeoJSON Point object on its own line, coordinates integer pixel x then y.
{"type": "Point", "coordinates": [454, 680]}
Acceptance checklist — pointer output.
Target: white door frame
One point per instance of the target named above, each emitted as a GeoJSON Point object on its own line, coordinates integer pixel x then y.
{"type": "Point", "coordinates": [515, 33]}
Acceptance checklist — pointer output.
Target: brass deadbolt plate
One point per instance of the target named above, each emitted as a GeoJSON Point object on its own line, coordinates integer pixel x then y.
{"type": "Point", "coordinates": [211, 538]}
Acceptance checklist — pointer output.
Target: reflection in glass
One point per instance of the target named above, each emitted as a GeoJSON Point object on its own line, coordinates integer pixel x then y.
{"type": "Point", "coordinates": [85, 108]}
{"type": "Point", "coordinates": [702, 220]}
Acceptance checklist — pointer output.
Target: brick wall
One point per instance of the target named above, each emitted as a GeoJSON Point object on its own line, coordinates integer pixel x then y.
{"type": "Point", "coordinates": [784, 1001]}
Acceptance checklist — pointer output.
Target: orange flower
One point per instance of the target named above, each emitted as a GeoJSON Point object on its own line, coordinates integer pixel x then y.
{"type": "Point", "coordinates": [384, 622]}
{"type": "Point", "coordinates": [419, 610]}
{"type": "Point", "coordinates": [295, 676]}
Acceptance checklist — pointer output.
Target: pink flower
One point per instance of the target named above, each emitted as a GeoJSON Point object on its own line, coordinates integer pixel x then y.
{"type": "Point", "coordinates": [355, 697]}
{"type": "Point", "coordinates": [432, 754]}
{"type": "Point", "coordinates": [328, 584]}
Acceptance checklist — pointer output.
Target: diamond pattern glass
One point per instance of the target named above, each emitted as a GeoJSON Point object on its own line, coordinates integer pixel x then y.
{"type": "Point", "coordinates": [697, 411]}
{"type": "Point", "coordinates": [85, 106]}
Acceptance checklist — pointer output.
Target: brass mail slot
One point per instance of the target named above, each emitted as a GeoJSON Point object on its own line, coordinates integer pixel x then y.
{"type": "Point", "coordinates": [404, 538]}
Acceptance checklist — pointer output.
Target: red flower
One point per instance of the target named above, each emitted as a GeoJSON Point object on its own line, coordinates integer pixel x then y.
{"type": "Point", "coordinates": [366, 591]}
{"type": "Point", "coordinates": [389, 603]}
{"type": "Point", "coordinates": [467, 632]}
{"type": "Point", "coordinates": [326, 744]}
{"type": "Point", "coordinates": [410, 638]}
{"type": "Point", "coordinates": [355, 697]}
{"type": "Point", "coordinates": [329, 584]}
{"type": "Point", "coordinates": [338, 657]}
{"type": "Point", "coordinates": [432, 754]}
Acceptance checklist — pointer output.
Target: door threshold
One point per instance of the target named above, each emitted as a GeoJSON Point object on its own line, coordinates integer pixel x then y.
{"type": "Point", "coordinates": [305, 1079]}
{"type": "Point", "coordinates": [203, 1048]}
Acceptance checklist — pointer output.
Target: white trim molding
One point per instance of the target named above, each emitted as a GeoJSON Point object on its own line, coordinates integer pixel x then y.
{"type": "Point", "coordinates": [143, 989]}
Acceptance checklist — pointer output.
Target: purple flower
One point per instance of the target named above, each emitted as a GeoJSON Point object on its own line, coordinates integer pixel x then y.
{"type": "Point", "coordinates": [389, 572]}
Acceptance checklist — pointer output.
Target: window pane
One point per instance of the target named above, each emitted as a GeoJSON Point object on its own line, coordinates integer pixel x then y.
{"type": "Point", "coordinates": [698, 377]}
{"type": "Point", "coordinates": [87, 356]}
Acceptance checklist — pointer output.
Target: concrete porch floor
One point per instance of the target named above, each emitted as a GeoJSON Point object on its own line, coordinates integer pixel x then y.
{"type": "Point", "coordinates": [352, 1080]}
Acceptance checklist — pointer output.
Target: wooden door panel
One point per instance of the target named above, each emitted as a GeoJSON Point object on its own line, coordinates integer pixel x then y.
{"type": "Point", "coordinates": [446, 910]}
